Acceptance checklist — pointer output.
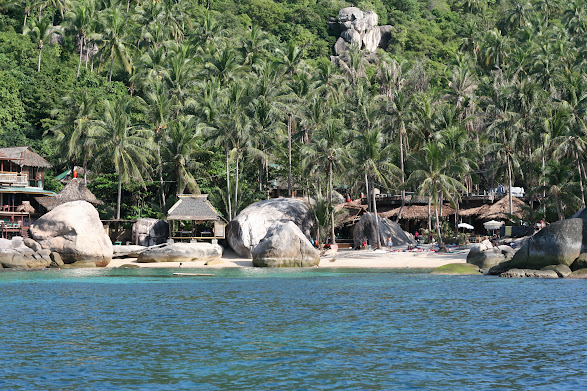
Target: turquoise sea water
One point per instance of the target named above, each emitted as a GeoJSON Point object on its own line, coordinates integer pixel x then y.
{"type": "Point", "coordinates": [311, 329]}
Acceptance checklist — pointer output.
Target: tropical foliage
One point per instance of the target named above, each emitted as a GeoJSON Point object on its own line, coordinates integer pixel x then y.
{"type": "Point", "coordinates": [228, 97]}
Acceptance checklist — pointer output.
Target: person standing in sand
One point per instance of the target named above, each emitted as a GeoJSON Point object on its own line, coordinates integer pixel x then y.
{"type": "Point", "coordinates": [389, 242]}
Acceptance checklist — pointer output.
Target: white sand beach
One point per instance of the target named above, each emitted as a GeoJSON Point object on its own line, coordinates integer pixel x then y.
{"type": "Point", "coordinates": [344, 258]}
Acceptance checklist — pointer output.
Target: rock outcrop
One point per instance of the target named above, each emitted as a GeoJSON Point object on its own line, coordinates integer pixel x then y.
{"type": "Point", "coordinates": [560, 243]}
{"type": "Point", "coordinates": [23, 254]}
{"type": "Point", "coordinates": [150, 232]}
{"type": "Point", "coordinates": [366, 228]}
{"type": "Point", "coordinates": [75, 232]}
{"type": "Point", "coordinates": [127, 251]}
{"type": "Point", "coordinates": [285, 245]}
{"type": "Point", "coordinates": [360, 28]}
{"type": "Point", "coordinates": [484, 255]}
{"type": "Point", "coordinates": [181, 252]}
{"type": "Point", "coordinates": [251, 225]}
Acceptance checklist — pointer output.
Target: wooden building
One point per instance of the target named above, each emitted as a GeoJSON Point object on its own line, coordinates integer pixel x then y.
{"type": "Point", "coordinates": [193, 217]}
{"type": "Point", "coordinates": [22, 178]}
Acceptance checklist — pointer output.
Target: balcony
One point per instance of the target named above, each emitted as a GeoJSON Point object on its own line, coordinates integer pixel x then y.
{"type": "Point", "coordinates": [13, 178]}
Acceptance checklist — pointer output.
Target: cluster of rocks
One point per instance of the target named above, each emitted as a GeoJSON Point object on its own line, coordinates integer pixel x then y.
{"type": "Point", "coordinates": [360, 28]}
{"type": "Point", "coordinates": [69, 235]}
{"type": "Point", "coordinates": [557, 251]}
{"type": "Point", "coordinates": [275, 233]}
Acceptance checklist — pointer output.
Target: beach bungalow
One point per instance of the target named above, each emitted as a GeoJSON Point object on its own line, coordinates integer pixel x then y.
{"type": "Point", "coordinates": [193, 218]}
{"type": "Point", "coordinates": [22, 178]}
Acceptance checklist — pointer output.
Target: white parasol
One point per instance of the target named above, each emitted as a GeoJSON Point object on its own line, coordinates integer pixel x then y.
{"type": "Point", "coordinates": [465, 226]}
{"type": "Point", "coordinates": [492, 224]}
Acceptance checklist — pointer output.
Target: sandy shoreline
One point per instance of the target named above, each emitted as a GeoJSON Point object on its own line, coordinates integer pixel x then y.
{"type": "Point", "coordinates": [398, 258]}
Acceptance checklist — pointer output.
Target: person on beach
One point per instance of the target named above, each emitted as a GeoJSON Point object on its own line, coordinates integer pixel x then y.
{"type": "Point", "coordinates": [389, 242]}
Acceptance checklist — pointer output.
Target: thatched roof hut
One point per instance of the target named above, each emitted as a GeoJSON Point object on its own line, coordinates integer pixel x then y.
{"type": "Point", "coordinates": [418, 212]}
{"type": "Point", "coordinates": [354, 210]}
{"type": "Point", "coordinates": [24, 156]}
{"type": "Point", "coordinates": [497, 211]}
{"type": "Point", "coordinates": [75, 190]}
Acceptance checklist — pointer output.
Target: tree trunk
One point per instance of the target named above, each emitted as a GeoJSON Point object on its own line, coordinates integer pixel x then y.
{"type": "Point", "coordinates": [39, 62]}
{"type": "Point", "coordinates": [111, 66]}
{"type": "Point", "coordinates": [429, 216]}
{"type": "Point", "coordinates": [438, 233]}
{"type": "Point", "coordinates": [510, 190]}
{"type": "Point", "coordinates": [119, 199]}
{"type": "Point", "coordinates": [580, 178]}
{"type": "Point", "coordinates": [228, 185]}
{"type": "Point", "coordinates": [236, 189]}
{"type": "Point", "coordinates": [368, 193]}
{"type": "Point", "coordinates": [403, 193]}
{"type": "Point", "coordinates": [377, 232]}
{"type": "Point", "coordinates": [330, 196]}
{"type": "Point", "coordinates": [79, 64]}
{"type": "Point", "coordinates": [289, 130]}
{"type": "Point", "coordinates": [26, 14]}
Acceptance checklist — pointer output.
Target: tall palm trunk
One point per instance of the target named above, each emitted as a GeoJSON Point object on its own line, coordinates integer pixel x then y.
{"type": "Point", "coordinates": [39, 62]}
{"type": "Point", "coordinates": [289, 131]}
{"type": "Point", "coordinates": [119, 198]}
{"type": "Point", "coordinates": [579, 168]}
{"type": "Point", "coordinates": [510, 184]}
{"type": "Point", "coordinates": [429, 216]}
{"type": "Point", "coordinates": [401, 153]}
{"type": "Point", "coordinates": [236, 189]}
{"type": "Point", "coordinates": [368, 193]}
{"type": "Point", "coordinates": [438, 233]}
{"type": "Point", "coordinates": [111, 66]}
{"type": "Point", "coordinates": [330, 196]}
{"type": "Point", "coordinates": [377, 232]}
{"type": "Point", "coordinates": [228, 184]}
{"type": "Point", "coordinates": [81, 50]}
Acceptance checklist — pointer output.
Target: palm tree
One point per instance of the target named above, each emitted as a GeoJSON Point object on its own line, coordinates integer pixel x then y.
{"type": "Point", "coordinates": [79, 19]}
{"type": "Point", "coordinates": [374, 161]}
{"type": "Point", "coordinates": [126, 146]}
{"type": "Point", "coordinates": [327, 149]}
{"type": "Point", "coordinates": [560, 186]}
{"type": "Point", "coordinates": [181, 144]}
{"type": "Point", "coordinates": [433, 181]}
{"type": "Point", "coordinates": [76, 114]}
{"type": "Point", "coordinates": [114, 39]}
{"type": "Point", "coordinates": [40, 32]}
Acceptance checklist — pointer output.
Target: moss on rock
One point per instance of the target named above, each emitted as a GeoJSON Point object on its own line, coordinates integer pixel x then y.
{"type": "Point", "coordinates": [455, 269]}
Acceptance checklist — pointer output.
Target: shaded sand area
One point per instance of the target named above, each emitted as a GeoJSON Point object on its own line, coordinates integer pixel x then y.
{"type": "Point", "coordinates": [398, 258]}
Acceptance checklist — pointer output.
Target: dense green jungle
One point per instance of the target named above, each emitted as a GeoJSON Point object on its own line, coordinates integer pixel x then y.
{"type": "Point", "coordinates": [163, 97]}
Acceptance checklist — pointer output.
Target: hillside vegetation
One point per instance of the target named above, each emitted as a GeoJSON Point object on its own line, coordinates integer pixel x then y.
{"type": "Point", "coordinates": [163, 97]}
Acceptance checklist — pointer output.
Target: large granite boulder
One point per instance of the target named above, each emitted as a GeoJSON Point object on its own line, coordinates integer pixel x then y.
{"type": "Point", "coordinates": [149, 232]}
{"type": "Point", "coordinates": [578, 274]}
{"type": "Point", "coordinates": [485, 255]}
{"type": "Point", "coordinates": [181, 252]}
{"type": "Point", "coordinates": [560, 243]}
{"type": "Point", "coordinates": [285, 245]}
{"type": "Point", "coordinates": [522, 273]}
{"type": "Point", "coordinates": [366, 228]}
{"type": "Point", "coordinates": [251, 225]}
{"type": "Point", "coordinates": [75, 232]}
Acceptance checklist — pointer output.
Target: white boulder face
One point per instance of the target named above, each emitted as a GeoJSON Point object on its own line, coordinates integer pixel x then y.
{"type": "Point", "coordinates": [181, 252]}
{"type": "Point", "coordinates": [75, 232]}
{"type": "Point", "coordinates": [150, 232]}
{"type": "Point", "coordinates": [285, 246]}
{"type": "Point", "coordinates": [360, 28]}
{"type": "Point", "coordinates": [252, 224]}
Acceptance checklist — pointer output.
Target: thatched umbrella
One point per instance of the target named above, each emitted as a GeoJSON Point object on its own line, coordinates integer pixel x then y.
{"type": "Point", "coordinates": [25, 207]}
{"type": "Point", "coordinates": [75, 190]}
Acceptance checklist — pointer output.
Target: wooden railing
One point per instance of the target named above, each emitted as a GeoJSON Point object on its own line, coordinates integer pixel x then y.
{"type": "Point", "coordinates": [14, 178]}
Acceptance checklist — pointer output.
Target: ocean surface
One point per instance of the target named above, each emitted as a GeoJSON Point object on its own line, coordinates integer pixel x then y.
{"type": "Point", "coordinates": [282, 329]}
